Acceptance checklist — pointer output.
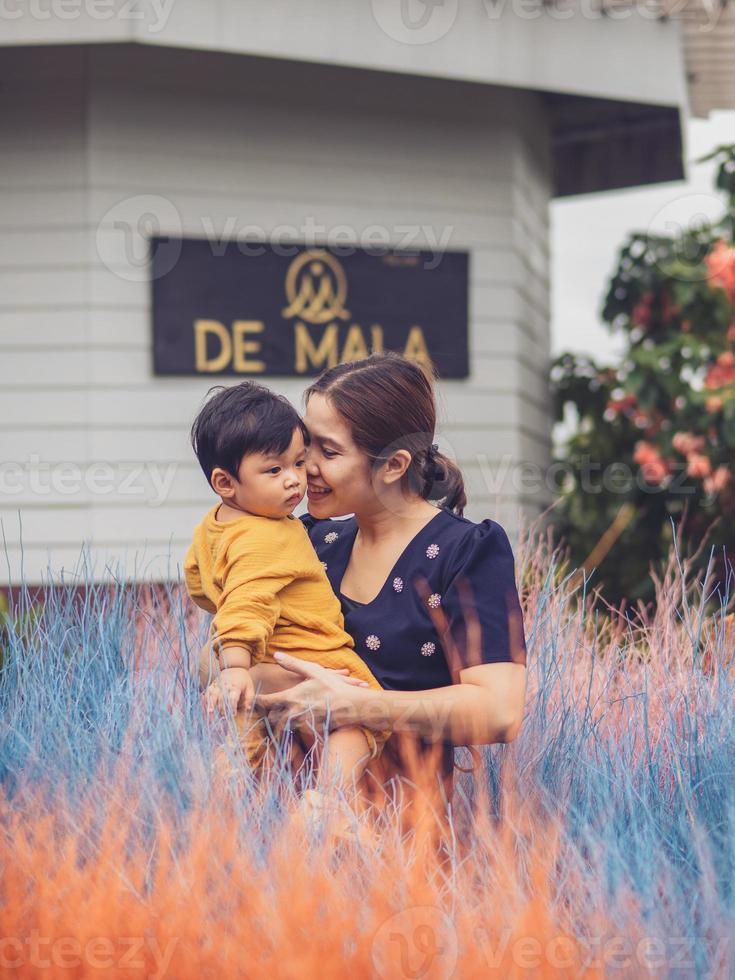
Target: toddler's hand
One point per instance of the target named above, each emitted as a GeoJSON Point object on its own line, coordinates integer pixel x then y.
{"type": "Point", "coordinates": [233, 685]}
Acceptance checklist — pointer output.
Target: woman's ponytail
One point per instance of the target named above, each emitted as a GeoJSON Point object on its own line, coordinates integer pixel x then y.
{"type": "Point", "coordinates": [443, 481]}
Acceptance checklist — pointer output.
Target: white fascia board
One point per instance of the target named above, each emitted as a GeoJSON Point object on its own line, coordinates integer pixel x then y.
{"type": "Point", "coordinates": [628, 56]}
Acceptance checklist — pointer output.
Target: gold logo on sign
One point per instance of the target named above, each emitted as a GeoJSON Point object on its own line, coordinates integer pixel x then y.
{"type": "Point", "coordinates": [316, 288]}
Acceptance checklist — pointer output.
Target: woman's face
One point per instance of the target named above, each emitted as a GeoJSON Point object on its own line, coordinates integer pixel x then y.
{"type": "Point", "coordinates": [338, 472]}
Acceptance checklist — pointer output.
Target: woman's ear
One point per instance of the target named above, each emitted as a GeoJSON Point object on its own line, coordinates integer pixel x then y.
{"type": "Point", "coordinates": [222, 483]}
{"type": "Point", "coordinates": [396, 466]}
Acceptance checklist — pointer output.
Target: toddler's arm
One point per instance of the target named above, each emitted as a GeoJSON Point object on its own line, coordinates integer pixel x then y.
{"type": "Point", "coordinates": [232, 655]}
{"type": "Point", "coordinates": [253, 571]}
{"type": "Point", "coordinates": [193, 581]}
{"type": "Point", "coordinates": [234, 679]}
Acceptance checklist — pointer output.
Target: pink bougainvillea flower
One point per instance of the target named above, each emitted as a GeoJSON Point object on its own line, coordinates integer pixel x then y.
{"type": "Point", "coordinates": [655, 470]}
{"type": "Point", "coordinates": [698, 465]}
{"type": "Point", "coordinates": [645, 452]}
{"type": "Point", "coordinates": [721, 267]}
{"type": "Point", "coordinates": [717, 481]}
{"type": "Point", "coordinates": [721, 373]}
{"type": "Point", "coordinates": [653, 467]}
{"type": "Point", "coordinates": [668, 309]}
{"type": "Point", "coordinates": [687, 443]}
{"type": "Point", "coordinates": [618, 405]}
{"type": "Point", "coordinates": [641, 314]}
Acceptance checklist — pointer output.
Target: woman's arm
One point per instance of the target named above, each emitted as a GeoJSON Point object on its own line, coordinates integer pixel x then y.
{"type": "Point", "coordinates": [486, 706]}
{"type": "Point", "coordinates": [271, 674]}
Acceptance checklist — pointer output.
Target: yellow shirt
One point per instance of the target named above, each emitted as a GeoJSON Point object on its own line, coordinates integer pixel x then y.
{"type": "Point", "coordinates": [267, 589]}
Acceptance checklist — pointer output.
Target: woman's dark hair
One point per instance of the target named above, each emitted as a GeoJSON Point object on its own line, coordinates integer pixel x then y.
{"type": "Point", "coordinates": [243, 419]}
{"type": "Point", "coordinates": [389, 404]}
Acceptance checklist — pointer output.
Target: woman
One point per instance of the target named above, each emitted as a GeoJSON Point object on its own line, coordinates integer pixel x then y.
{"type": "Point", "coordinates": [428, 596]}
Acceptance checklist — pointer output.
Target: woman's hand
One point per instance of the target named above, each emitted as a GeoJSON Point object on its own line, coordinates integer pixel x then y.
{"type": "Point", "coordinates": [308, 703]}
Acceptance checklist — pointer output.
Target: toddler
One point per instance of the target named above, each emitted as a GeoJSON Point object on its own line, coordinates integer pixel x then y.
{"type": "Point", "coordinates": [251, 564]}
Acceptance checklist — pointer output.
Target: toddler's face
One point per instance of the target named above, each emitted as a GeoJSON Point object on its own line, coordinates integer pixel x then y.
{"type": "Point", "coordinates": [272, 485]}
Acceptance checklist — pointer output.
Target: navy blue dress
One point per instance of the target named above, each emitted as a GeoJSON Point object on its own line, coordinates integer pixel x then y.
{"type": "Point", "coordinates": [453, 570]}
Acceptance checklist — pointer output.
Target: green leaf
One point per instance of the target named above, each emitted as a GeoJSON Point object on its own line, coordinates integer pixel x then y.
{"type": "Point", "coordinates": [728, 431]}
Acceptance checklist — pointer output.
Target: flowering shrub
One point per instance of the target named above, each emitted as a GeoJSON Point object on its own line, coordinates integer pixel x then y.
{"type": "Point", "coordinates": [658, 430]}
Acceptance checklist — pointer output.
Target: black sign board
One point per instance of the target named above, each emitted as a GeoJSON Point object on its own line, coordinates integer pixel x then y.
{"type": "Point", "coordinates": [252, 309]}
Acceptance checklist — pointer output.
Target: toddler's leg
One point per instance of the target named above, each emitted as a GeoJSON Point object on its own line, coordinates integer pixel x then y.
{"type": "Point", "coordinates": [342, 764]}
{"type": "Point", "coordinates": [345, 758]}
{"type": "Point", "coordinates": [253, 733]}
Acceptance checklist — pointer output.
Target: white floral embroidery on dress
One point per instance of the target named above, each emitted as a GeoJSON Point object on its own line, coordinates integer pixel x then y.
{"type": "Point", "coordinates": [331, 537]}
{"type": "Point", "coordinates": [434, 601]}
{"type": "Point", "coordinates": [398, 584]}
{"type": "Point", "coordinates": [427, 649]}
{"type": "Point", "coordinates": [432, 551]}
{"type": "Point", "coordinates": [372, 642]}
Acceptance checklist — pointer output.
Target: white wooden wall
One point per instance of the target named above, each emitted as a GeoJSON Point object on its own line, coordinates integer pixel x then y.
{"type": "Point", "coordinates": [91, 139]}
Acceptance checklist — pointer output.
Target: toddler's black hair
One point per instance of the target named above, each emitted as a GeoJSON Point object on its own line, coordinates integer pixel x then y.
{"type": "Point", "coordinates": [242, 419]}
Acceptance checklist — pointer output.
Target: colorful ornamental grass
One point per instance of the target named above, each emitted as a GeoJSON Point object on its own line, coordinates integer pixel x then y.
{"type": "Point", "coordinates": [598, 843]}
{"type": "Point", "coordinates": [656, 433]}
